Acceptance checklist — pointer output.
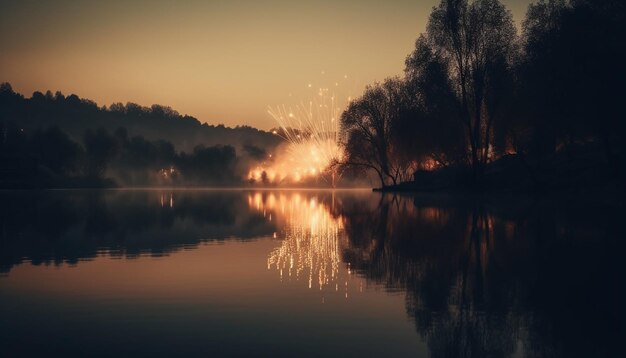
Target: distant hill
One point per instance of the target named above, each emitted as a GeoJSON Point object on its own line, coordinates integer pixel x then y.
{"type": "Point", "coordinates": [74, 115]}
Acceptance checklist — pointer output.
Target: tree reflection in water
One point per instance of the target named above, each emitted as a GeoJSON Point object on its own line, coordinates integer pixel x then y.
{"type": "Point", "coordinates": [71, 226]}
{"type": "Point", "coordinates": [483, 275]}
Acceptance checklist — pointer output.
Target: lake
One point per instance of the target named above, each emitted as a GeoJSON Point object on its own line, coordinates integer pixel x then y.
{"type": "Point", "coordinates": [308, 273]}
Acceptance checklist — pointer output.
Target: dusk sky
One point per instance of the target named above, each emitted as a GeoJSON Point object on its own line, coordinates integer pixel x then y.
{"type": "Point", "coordinates": [219, 61]}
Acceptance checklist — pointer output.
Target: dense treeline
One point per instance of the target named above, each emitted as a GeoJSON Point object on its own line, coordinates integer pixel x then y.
{"type": "Point", "coordinates": [57, 141]}
{"type": "Point", "coordinates": [484, 105]}
{"type": "Point", "coordinates": [75, 115]}
{"type": "Point", "coordinates": [51, 158]}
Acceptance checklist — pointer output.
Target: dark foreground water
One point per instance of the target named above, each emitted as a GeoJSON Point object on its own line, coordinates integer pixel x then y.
{"type": "Point", "coordinates": [308, 273]}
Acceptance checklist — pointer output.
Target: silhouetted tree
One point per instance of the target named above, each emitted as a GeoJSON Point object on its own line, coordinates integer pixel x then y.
{"type": "Point", "coordinates": [572, 76]}
{"type": "Point", "coordinates": [431, 129]}
{"type": "Point", "coordinates": [209, 165]}
{"type": "Point", "coordinates": [100, 148]}
{"type": "Point", "coordinates": [254, 152]}
{"type": "Point", "coordinates": [477, 40]}
{"type": "Point", "coordinates": [366, 126]}
{"type": "Point", "coordinates": [56, 151]}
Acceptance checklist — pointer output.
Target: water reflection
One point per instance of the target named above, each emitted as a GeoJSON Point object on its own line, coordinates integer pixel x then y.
{"type": "Point", "coordinates": [496, 277]}
{"type": "Point", "coordinates": [164, 200]}
{"type": "Point", "coordinates": [56, 227]}
{"type": "Point", "coordinates": [312, 240]}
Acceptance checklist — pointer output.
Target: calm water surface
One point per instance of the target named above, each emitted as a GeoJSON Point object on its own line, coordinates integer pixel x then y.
{"type": "Point", "coordinates": [308, 273]}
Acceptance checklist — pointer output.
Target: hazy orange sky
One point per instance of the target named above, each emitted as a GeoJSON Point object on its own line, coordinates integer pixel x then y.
{"type": "Point", "coordinates": [219, 61]}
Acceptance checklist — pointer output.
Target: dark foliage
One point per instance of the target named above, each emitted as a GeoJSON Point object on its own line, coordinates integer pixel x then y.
{"type": "Point", "coordinates": [474, 93]}
{"type": "Point", "coordinates": [56, 141]}
{"type": "Point", "coordinates": [49, 158]}
{"type": "Point", "coordinates": [75, 115]}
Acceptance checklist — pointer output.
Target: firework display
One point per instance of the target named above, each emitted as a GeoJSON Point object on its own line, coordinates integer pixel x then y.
{"type": "Point", "coordinates": [311, 133]}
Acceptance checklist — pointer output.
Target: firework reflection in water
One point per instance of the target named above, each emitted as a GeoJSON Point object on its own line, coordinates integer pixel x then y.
{"type": "Point", "coordinates": [312, 240]}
